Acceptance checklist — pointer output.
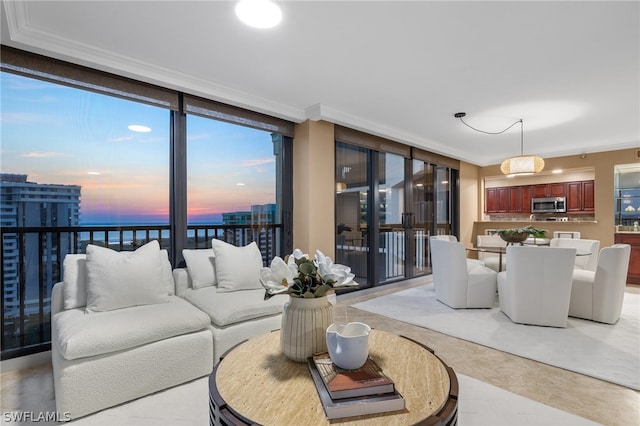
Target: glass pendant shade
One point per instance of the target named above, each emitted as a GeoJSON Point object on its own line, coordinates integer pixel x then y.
{"type": "Point", "coordinates": [522, 164]}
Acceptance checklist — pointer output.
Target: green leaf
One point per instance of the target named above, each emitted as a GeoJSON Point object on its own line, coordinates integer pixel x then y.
{"type": "Point", "coordinates": [307, 268]}
{"type": "Point", "coordinates": [308, 295]}
{"type": "Point", "coordinates": [322, 290]}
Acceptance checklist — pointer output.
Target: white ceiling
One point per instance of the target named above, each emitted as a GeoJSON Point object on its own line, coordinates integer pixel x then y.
{"type": "Point", "coordinates": [396, 69]}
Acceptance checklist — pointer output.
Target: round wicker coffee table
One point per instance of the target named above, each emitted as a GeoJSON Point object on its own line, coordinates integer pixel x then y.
{"type": "Point", "coordinates": [255, 383]}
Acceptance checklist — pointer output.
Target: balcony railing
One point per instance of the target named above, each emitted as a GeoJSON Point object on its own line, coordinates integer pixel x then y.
{"type": "Point", "coordinates": [32, 259]}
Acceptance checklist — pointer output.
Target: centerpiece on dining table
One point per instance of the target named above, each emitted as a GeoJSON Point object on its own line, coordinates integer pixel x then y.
{"type": "Point", "coordinates": [519, 235]}
{"type": "Point", "coordinates": [308, 312]}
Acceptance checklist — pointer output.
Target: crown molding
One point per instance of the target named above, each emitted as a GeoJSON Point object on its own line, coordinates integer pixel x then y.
{"type": "Point", "coordinates": [25, 36]}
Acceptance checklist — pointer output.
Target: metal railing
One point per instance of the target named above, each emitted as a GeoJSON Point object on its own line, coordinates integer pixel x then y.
{"type": "Point", "coordinates": [32, 259]}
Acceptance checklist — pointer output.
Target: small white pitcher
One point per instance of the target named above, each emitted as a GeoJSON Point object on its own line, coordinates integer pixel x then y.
{"type": "Point", "coordinates": [348, 344]}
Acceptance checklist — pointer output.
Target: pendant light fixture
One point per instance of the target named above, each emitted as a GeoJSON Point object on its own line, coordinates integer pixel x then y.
{"type": "Point", "coordinates": [518, 165]}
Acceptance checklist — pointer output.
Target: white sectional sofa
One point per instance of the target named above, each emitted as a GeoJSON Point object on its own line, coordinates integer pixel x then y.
{"type": "Point", "coordinates": [233, 316]}
{"type": "Point", "coordinates": [125, 329]}
{"type": "Point", "coordinates": [223, 281]}
{"type": "Point", "coordinates": [104, 352]}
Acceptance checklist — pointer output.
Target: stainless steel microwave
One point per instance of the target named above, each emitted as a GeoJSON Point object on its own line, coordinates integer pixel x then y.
{"type": "Point", "coordinates": [549, 205]}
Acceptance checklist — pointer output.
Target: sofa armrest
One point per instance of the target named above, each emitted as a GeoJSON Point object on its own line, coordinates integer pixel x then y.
{"type": "Point", "coordinates": [57, 298]}
{"type": "Point", "coordinates": [182, 281]}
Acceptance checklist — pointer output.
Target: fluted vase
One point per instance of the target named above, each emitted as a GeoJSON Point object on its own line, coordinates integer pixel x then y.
{"type": "Point", "coordinates": [304, 325]}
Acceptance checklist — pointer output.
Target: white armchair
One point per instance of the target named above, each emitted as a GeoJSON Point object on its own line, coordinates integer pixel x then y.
{"type": "Point", "coordinates": [566, 234]}
{"type": "Point", "coordinates": [495, 261]}
{"type": "Point", "coordinates": [471, 263]}
{"type": "Point", "coordinates": [598, 295]}
{"type": "Point", "coordinates": [451, 238]}
{"type": "Point", "coordinates": [458, 284]}
{"type": "Point", "coordinates": [587, 262]}
{"type": "Point", "coordinates": [537, 286]}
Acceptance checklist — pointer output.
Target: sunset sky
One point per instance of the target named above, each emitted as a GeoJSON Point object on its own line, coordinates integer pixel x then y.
{"type": "Point", "coordinates": [60, 135]}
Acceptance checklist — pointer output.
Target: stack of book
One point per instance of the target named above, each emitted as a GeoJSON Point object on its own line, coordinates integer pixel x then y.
{"type": "Point", "coordinates": [346, 393]}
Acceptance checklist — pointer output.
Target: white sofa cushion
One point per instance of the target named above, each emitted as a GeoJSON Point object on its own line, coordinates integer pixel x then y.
{"type": "Point", "coordinates": [237, 268]}
{"type": "Point", "coordinates": [227, 308]}
{"type": "Point", "coordinates": [79, 335]}
{"type": "Point", "coordinates": [201, 267]}
{"type": "Point", "coordinates": [118, 280]}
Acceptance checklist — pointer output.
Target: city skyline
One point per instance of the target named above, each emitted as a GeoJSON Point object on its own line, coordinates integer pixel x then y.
{"type": "Point", "coordinates": [65, 136]}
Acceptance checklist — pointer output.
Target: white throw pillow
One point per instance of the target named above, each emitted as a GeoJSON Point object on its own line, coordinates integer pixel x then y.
{"type": "Point", "coordinates": [201, 267]}
{"type": "Point", "coordinates": [122, 279]}
{"type": "Point", "coordinates": [237, 268]}
{"type": "Point", "coordinates": [74, 289]}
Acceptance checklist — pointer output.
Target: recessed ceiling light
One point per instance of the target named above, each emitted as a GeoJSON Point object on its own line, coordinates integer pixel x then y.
{"type": "Point", "coordinates": [556, 171]}
{"type": "Point", "coordinates": [139, 128]}
{"type": "Point", "coordinates": [259, 13]}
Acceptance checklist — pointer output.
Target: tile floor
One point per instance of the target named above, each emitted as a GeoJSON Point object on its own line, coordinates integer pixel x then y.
{"type": "Point", "coordinates": [496, 388]}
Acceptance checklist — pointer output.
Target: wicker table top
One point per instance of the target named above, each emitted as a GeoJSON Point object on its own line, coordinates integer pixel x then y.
{"type": "Point", "coordinates": [256, 381]}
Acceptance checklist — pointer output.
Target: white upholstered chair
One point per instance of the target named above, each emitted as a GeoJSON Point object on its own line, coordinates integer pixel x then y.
{"type": "Point", "coordinates": [566, 234]}
{"type": "Point", "coordinates": [587, 262]}
{"type": "Point", "coordinates": [492, 260]}
{"type": "Point", "coordinates": [537, 286]}
{"type": "Point", "coordinates": [451, 238]}
{"type": "Point", "coordinates": [458, 284]}
{"type": "Point", "coordinates": [598, 295]}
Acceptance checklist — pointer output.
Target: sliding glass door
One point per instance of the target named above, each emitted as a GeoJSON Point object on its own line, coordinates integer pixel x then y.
{"type": "Point", "coordinates": [393, 217]}
{"type": "Point", "coordinates": [352, 212]}
{"type": "Point", "coordinates": [387, 206]}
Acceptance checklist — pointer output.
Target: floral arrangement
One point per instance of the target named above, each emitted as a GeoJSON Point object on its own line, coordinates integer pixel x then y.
{"type": "Point", "coordinates": [519, 235]}
{"type": "Point", "coordinates": [299, 276]}
{"type": "Point", "coordinates": [529, 230]}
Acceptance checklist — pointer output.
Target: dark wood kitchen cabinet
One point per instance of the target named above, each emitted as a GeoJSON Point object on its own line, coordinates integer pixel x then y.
{"type": "Point", "coordinates": [517, 199]}
{"type": "Point", "coordinates": [520, 199]}
{"type": "Point", "coordinates": [549, 190]}
{"type": "Point", "coordinates": [633, 239]}
{"type": "Point", "coordinates": [580, 197]}
{"type": "Point", "coordinates": [497, 200]}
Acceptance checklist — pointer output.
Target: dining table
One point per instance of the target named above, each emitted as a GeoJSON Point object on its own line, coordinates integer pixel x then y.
{"type": "Point", "coordinates": [503, 250]}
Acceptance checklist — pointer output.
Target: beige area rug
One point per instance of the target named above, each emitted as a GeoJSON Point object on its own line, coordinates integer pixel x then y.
{"type": "Point", "coordinates": [606, 352]}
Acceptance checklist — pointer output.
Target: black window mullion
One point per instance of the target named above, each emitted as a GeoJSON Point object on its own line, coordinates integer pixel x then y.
{"type": "Point", "coordinates": [178, 185]}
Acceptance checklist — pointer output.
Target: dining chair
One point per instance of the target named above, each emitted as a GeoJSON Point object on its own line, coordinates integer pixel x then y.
{"type": "Point", "coordinates": [566, 234]}
{"type": "Point", "coordinates": [598, 295]}
{"type": "Point", "coordinates": [536, 288]}
{"type": "Point", "coordinates": [587, 251]}
{"type": "Point", "coordinates": [454, 239]}
{"type": "Point", "coordinates": [492, 260]}
{"type": "Point", "coordinates": [457, 283]}
{"type": "Point", "coordinates": [451, 238]}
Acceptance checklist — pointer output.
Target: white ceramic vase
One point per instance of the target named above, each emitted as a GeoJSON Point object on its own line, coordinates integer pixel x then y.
{"type": "Point", "coordinates": [304, 325]}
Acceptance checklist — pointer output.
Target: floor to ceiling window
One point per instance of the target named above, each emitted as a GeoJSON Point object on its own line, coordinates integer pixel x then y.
{"type": "Point", "coordinates": [72, 158]}
{"type": "Point", "coordinates": [94, 158]}
{"type": "Point", "coordinates": [231, 180]}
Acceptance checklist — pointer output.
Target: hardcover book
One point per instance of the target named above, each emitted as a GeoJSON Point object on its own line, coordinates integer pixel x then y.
{"type": "Point", "coordinates": [356, 406]}
{"type": "Point", "coordinates": [366, 380]}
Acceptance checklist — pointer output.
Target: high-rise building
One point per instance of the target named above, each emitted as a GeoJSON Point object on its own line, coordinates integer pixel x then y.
{"type": "Point", "coordinates": [260, 214]}
{"type": "Point", "coordinates": [31, 204]}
